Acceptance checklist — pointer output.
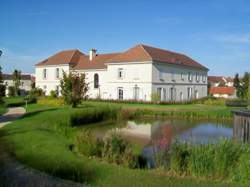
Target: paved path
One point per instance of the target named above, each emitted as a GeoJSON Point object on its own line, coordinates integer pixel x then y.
{"type": "Point", "coordinates": [12, 114]}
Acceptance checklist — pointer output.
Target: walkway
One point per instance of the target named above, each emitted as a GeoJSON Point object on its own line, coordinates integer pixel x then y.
{"type": "Point", "coordinates": [12, 114]}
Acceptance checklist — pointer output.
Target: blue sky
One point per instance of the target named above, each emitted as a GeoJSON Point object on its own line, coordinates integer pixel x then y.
{"type": "Point", "coordinates": [216, 33]}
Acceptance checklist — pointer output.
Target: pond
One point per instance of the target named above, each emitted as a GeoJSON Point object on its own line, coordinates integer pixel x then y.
{"type": "Point", "coordinates": [154, 135]}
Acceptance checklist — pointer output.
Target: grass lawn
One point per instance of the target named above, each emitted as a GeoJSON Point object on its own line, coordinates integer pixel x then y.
{"type": "Point", "coordinates": [35, 141]}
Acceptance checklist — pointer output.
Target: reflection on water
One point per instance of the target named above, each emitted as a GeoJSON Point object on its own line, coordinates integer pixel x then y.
{"type": "Point", "coordinates": [154, 135]}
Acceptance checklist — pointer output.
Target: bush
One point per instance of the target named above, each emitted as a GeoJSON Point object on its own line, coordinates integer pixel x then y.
{"type": "Point", "coordinates": [50, 102]}
{"type": "Point", "coordinates": [53, 94]}
{"type": "Point", "coordinates": [237, 103]}
{"type": "Point", "coordinates": [242, 172]}
{"type": "Point", "coordinates": [87, 145]}
{"type": "Point", "coordinates": [11, 91]}
{"type": "Point", "coordinates": [38, 92]}
{"type": "Point", "coordinates": [2, 90]}
{"type": "Point", "coordinates": [93, 115]}
{"type": "Point", "coordinates": [117, 150]}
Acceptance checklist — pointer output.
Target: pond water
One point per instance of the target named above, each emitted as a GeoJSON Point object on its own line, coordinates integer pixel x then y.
{"type": "Point", "coordinates": [153, 135]}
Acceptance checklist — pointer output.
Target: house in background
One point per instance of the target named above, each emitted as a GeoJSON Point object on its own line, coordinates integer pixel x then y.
{"type": "Point", "coordinates": [220, 81]}
{"type": "Point", "coordinates": [223, 92]}
{"type": "Point", "coordinates": [139, 73]}
{"type": "Point", "coordinates": [26, 83]}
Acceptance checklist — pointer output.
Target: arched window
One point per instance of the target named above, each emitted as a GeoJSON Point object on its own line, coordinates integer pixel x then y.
{"type": "Point", "coordinates": [96, 81]}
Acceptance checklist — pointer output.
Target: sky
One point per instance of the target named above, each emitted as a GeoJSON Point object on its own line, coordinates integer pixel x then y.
{"type": "Point", "coordinates": [216, 33]}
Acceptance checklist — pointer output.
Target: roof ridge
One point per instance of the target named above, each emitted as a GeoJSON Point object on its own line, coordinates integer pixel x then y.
{"type": "Point", "coordinates": [142, 46]}
{"type": "Point", "coordinates": [163, 49]}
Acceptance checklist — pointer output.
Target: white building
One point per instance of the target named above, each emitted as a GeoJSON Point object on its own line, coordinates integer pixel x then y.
{"type": "Point", "coordinates": [25, 83]}
{"type": "Point", "coordinates": [140, 73]}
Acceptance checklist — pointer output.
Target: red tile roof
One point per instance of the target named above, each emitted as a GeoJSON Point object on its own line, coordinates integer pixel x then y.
{"type": "Point", "coordinates": [222, 90]}
{"type": "Point", "coordinates": [139, 53]}
{"type": "Point", "coordinates": [147, 53]}
{"type": "Point", "coordinates": [63, 57]}
{"type": "Point", "coordinates": [10, 76]}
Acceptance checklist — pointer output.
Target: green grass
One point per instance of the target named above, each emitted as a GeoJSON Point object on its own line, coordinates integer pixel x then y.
{"type": "Point", "coordinates": [35, 141]}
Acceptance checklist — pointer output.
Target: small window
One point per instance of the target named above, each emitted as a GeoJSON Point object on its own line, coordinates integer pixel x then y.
{"type": "Point", "coordinates": [182, 76]}
{"type": "Point", "coordinates": [136, 92]}
{"type": "Point", "coordinates": [120, 73]}
{"type": "Point", "coordinates": [190, 76]}
{"type": "Point", "coordinates": [197, 76]}
{"type": "Point", "coordinates": [181, 96]}
{"type": "Point", "coordinates": [189, 93]}
{"type": "Point", "coordinates": [45, 74]}
{"type": "Point", "coordinates": [172, 76]}
{"type": "Point", "coordinates": [160, 75]}
{"type": "Point", "coordinates": [96, 80]}
{"type": "Point", "coordinates": [22, 83]}
{"type": "Point", "coordinates": [57, 73]}
{"type": "Point", "coordinates": [204, 78]}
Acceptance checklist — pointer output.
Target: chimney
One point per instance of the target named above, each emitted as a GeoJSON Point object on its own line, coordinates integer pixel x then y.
{"type": "Point", "coordinates": [92, 54]}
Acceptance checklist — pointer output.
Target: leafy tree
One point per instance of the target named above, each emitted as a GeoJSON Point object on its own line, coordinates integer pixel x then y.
{"type": "Point", "coordinates": [16, 77]}
{"type": "Point", "coordinates": [73, 88]}
{"type": "Point", "coordinates": [238, 86]}
{"type": "Point", "coordinates": [245, 85]}
{"type": "Point", "coordinates": [2, 86]}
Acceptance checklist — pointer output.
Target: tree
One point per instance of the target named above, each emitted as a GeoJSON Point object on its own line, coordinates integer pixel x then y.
{"type": "Point", "coordinates": [16, 77]}
{"type": "Point", "coordinates": [237, 85]}
{"type": "Point", "coordinates": [2, 86]}
{"type": "Point", "coordinates": [73, 88]}
{"type": "Point", "coordinates": [245, 85]}
{"type": "Point", "coordinates": [248, 90]}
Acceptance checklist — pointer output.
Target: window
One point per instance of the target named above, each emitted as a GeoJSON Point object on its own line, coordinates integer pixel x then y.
{"type": "Point", "coordinates": [57, 73]}
{"type": "Point", "coordinates": [189, 93]}
{"type": "Point", "coordinates": [160, 75]}
{"type": "Point", "coordinates": [45, 89]}
{"type": "Point", "coordinates": [182, 76]}
{"type": "Point", "coordinates": [45, 74]}
{"type": "Point", "coordinates": [172, 94]}
{"type": "Point", "coordinates": [120, 93]}
{"type": "Point", "coordinates": [197, 76]}
{"type": "Point", "coordinates": [181, 96]}
{"type": "Point", "coordinates": [204, 78]}
{"type": "Point", "coordinates": [196, 94]}
{"type": "Point", "coordinates": [190, 76]}
{"type": "Point", "coordinates": [159, 93]}
{"type": "Point", "coordinates": [172, 76]}
{"type": "Point", "coordinates": [136, 92]}
{"type": "Point", "coordinates": [120, 73]}
{"type": "Point", "coordinates": [22, 83]}
{"type": "Point", "coordinates": [96, 80]}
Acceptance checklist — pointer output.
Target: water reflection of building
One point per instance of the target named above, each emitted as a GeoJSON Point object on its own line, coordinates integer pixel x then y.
{"type": "Point", "coordinates": [241, 129]}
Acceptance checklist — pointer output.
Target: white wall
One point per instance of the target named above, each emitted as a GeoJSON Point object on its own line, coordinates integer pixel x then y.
{"type": "Point", "coordinates": [51, 81]}
{"type": "Point", "coordinates": [163, 78]}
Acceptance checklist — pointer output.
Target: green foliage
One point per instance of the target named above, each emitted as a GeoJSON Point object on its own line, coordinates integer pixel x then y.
{"type": "Point", "coordinates": [87, 145]}
{"type": "Point", "coordinates": [155, 97]}
{"type": "Point", "coordinates": [236, 103]}
{"type": "Point", "coordinates": [50, 101]}
{"type": "Point", "coordinates": [237, 85]}
{"type": "Point", "coordinates": [118, 150]}
{"type": "Point", "coordinates": [16, 77]}
{"type": "Point", "coordinates": [11, 91]}
{"type": "Point", "coordinates": [92, 115]}
{"type": "Point", "coordinates": [74, 88]}
{"type": "Point", "coordinates": [37, 92]}
{"type": "Point", "coordinates": [2, 90]}
{"type": "Point", "coordinates": [53, 94]}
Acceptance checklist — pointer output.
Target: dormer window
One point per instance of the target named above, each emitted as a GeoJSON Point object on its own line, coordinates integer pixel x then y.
{"type": "Point", "coordinates": [120, 73]}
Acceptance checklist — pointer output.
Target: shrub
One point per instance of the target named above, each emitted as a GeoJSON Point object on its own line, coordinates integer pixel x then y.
{"type": "Point", "coordinates": [11, 91]}
{"type": "Point", "coordinates": [38, 92]}
{"type": "Point", "coordinates": [242, 172]}
{"type": "Point", "coordinates": [87, 145]}
{"type": "Point", "coordinates": [50, 102]}
{"type": "Point", "coordinates": [53, 94]}
{"type": "Point", "coordinates": [116, 149]}
{"type": "Point", "coordinates": [93, 115]}
{"type": "Point", "coordinates": [237, 103]}
{"type": "Point", "coordinates": [2, 90]}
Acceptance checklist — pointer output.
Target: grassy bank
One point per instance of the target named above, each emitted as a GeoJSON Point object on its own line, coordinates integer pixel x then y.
{"type": "Point", "coordinates": [36, 141]}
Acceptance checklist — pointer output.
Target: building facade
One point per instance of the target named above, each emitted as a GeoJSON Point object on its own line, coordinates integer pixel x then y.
{"type": "Point", "coordinates": [140, 73]}
{"type": "Point", "coordinates": [25, 83]}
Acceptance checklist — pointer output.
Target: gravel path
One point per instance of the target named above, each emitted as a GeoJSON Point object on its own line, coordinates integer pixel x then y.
{"type": "Point", "coordinates": [12, 114]}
